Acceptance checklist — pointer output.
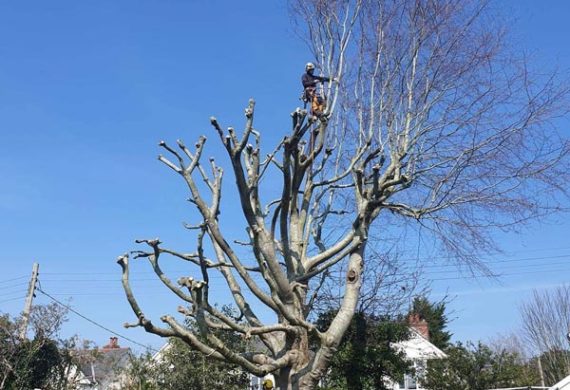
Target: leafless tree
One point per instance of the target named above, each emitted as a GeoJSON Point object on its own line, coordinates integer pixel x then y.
{"type": "Point", "coordinates": [433, 124]}
{"type": "Point", "coordinates": [389, 284]}
{"type": "Point", "coordinates": [47, 320]}
{"type": "Point", "coordinates": [546, 323]}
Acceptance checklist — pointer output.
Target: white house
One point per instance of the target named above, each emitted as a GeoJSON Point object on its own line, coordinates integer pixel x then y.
{"type": "Point", "coordinates": [418, 350]}
{"type": "Point", "coordinates": [101, 369]}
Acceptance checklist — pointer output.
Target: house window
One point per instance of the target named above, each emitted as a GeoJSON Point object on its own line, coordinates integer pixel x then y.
{"type": "Point", "coordinates": [255, 383]}
{"type": "Point", "coordinates": [408, 382]}
{"type": "Point", "coordinates": [411, 382]}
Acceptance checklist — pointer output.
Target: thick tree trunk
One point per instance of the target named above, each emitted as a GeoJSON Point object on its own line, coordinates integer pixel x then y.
{"type": "Point", "coordinates": [290, 377]}
{"type": "Point", "coordinates": [305, 373]}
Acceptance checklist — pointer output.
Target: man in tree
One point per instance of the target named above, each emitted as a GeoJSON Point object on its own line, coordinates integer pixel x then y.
{"type": "Point", "coordinates": [310, 94]}
{"type": "Point", "coordinates": [267, 384]}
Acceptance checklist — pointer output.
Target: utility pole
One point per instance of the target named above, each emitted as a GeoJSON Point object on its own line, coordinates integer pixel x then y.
{"type": "Point", "coordinates": [29, 299]}
{"type": "Point", "coordinates": [540, 371]}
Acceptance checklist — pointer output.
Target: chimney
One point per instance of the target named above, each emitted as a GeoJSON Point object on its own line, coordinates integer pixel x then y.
{"type": "Point", "coordinates": [419, 325]}
{"type": "Point", "coordinates": [113, 344]}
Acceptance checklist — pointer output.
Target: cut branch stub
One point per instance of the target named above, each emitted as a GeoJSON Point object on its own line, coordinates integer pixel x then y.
{"type": "Point", "coordinates": [123, 261]}
{"type": "Point", "coordinates": [216, 125]}
{"type": "Point", "coordinates": [150, 242]}
{"type": "Point", "coordinates": [185, 311]}
{"type": "Point", "coordinates": [249, 108]}
{"type": "Point", "coordinates": [186, 282]}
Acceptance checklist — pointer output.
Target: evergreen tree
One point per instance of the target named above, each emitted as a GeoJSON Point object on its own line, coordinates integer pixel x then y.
{"type": "Point", "coordinates": [178, 367]}
{"type": "Point", "coordinates": [434, 314]}
{"type": "Point", "coordinates": [366, 355]}
{"type": "Point", "coordinates": [478, 367]}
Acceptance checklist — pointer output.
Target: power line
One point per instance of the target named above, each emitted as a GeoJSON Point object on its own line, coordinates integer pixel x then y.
{"type": "Point", "coordinates": [96, 273]}
{"type": "Point", "coordinates": [19, 291]}
{"type": "Point", "coordinates": [498, 275]}
{"type": "Point", "coordinates": [12, 299]}
{"type": "Point", "coordinates": [425, 268]}
{"type": "Point", "coordinates": [94, 322]}
{"type": "Point", "coordinates": [489, 256]}
{"type": "Point", "coordinates": [11, 280]}
{"type": "Point", "coordinates": [541, 268]}
{"type": "Point", "coordinates": [97, 280]}
{"type": "Point", "coordinates": [509, 260]}
{"type": "Point", "coordinates": [490, 262]}
{"type": "Point", "coordinates": [111, 294]}
{"type": "Point", "coordinates": [12, 286]}
{"type": "Point", "coordinates": [497, 272]}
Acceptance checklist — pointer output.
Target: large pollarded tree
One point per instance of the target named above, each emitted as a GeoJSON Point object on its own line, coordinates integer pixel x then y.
{"type": "Point", "coordinates": [433, 121]}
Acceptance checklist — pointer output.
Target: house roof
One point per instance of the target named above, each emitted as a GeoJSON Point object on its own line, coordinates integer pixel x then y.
{"type": "Point", "coordinates": [417, 347]}
{"type": "Point", "coordinates": [159, 355]}
{"type": "Point", "coordinates": [102, 365]}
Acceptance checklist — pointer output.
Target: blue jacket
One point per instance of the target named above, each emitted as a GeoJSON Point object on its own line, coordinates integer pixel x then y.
{"type": "Point", "coordinates": [310, 80]}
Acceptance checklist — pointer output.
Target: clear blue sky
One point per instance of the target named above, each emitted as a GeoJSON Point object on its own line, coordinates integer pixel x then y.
{"type": "Point", "coordinates": [87, 89]}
